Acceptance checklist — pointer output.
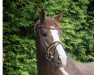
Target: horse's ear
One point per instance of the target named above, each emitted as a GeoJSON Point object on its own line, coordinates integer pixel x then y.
{"type": "Point", "coordinates": [58, 17]}
{"type": "Point", "coordinates": [42, 16]}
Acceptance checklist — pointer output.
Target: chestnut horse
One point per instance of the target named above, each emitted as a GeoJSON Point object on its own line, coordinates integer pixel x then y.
{"type": "Point", "coordinates": [51, 56]}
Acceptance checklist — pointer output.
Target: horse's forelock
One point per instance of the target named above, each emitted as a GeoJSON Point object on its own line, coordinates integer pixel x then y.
{"type": "Point", "coordinates": [48, 22]}
{"type": "Point", "coordinates": [51, 22]}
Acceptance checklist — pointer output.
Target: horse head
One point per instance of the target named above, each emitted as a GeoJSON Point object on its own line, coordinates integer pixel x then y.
{"type": "Point", "coordinates": [49, 31]}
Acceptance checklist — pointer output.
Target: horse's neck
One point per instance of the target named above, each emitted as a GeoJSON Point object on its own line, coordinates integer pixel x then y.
{"type": "Point", "coordinates": [75, 68]}
{"type": "Point", "coordinates": [45, 67]}
{"type": "Point", "coordinates": [70, 62]}
{"type": "Point", "coordinates": [71, 67]}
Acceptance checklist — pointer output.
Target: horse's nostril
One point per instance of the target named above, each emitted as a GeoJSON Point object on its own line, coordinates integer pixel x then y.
{"type": "Point", "coordinates": [59, 59]}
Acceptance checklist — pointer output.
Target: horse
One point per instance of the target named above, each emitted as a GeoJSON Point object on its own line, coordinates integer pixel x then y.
{"type": "Point", "coordinates": [51, 56]}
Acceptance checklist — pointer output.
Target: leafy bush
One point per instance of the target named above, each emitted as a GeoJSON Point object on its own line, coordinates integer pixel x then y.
{"type": "Point", "coordinates": [18, 40]}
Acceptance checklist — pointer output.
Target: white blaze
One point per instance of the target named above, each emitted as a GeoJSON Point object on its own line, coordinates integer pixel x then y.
{"type": "Point", "coordinates": [59, 47]}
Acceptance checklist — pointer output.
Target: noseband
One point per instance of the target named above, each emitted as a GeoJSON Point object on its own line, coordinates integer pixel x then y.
{"type": "Point", "coordinates": [49, 54]}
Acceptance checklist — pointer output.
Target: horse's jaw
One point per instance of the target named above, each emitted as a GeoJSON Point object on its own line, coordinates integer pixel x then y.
{"type": "Point", "coordinates": [61, 71]}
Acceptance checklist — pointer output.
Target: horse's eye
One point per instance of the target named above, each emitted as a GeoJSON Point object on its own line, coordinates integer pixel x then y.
{"type": "Point", "coordinates": [44, 34]}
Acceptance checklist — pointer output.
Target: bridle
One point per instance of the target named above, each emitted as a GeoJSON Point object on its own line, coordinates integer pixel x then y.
{"type": "Point", "coordinates": [49, 54]}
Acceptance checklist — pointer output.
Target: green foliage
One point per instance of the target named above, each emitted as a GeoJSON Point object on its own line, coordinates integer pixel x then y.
{"type": "Point", "coordinates": [19, 19]}
{"type": "Point", "coordinates": [19, 45]}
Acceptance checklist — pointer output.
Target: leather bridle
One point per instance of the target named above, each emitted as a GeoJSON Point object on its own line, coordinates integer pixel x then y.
{"type": "Point", "coordinates": [49, 54]}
